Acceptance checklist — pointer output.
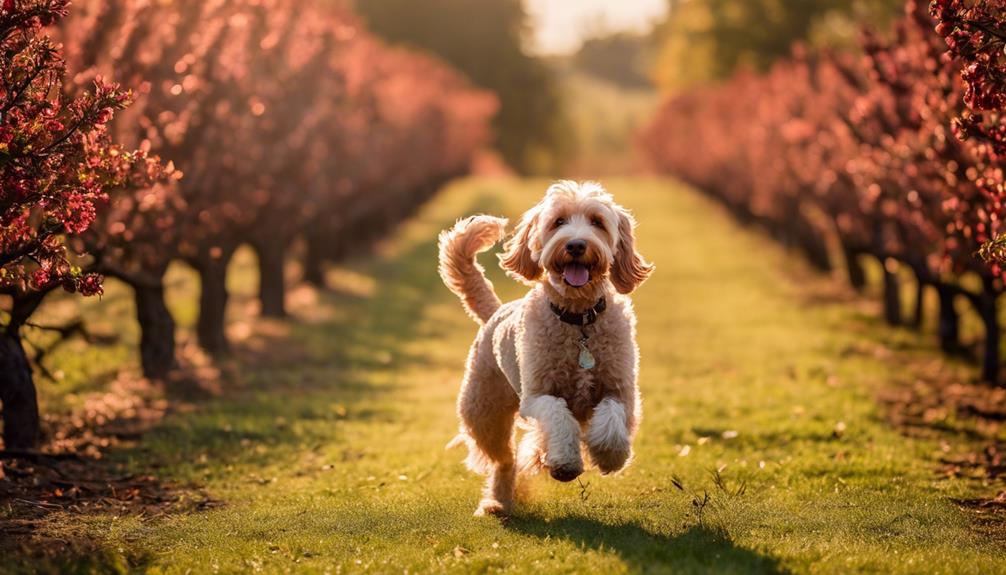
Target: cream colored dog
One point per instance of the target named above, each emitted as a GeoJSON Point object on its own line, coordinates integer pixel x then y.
{"type": "Point", "coordinates": [564, 356]}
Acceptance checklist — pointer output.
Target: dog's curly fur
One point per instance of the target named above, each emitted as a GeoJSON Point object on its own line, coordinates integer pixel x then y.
{"type": "Point", "coordinates": [524, 359]}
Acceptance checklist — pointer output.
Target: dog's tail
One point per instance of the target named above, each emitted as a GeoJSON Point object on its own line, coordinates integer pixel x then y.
{"type": "Point", "coordinates": [459, 268]}
{"type": "Point", "coordinates": [477, 459]}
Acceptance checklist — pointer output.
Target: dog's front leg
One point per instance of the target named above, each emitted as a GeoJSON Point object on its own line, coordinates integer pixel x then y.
{"type": "Point", "coordinates": [609, 435]}
{"type": "Point", "coordinates": [561, 432]}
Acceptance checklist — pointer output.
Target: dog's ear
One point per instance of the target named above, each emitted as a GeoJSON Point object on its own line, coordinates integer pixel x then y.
{"type": "Point", "coordinates": [517, 258]}
{"type": "Point", "coordinates": [628, 270]}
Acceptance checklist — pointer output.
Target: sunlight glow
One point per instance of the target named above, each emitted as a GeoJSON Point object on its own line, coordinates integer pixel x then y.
{"type": "Point", "coordinates": [561, 25]}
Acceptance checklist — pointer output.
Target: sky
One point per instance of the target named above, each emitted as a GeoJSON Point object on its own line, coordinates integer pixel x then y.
{"type": "Point", "coordinates": [560, 25]}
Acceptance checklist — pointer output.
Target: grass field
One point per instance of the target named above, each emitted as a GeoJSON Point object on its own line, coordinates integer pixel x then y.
{"type": "Point", "coordinates": [763, 447]}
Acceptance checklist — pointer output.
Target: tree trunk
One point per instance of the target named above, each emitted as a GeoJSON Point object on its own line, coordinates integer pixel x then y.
{"type": "Point", "coordinates": [989, 308]}
{"type": "Point", "coordinates": [854, 268]}
{"type": "Point", "coordinates": [817, 253]}
{"type": "Point", "coordinates": [314, 266]}
{"type": "Point", "coordinates": [892, 294]}
{"type": "Point", "coordinates": [272, 281]}
{"type": "Point", "coordinates": [157, 331]}
{"type": "Point", "coordinates": [17, 390]}
{"type": "Point", "coordinates": [17, 393]}
{"type": "Point", "coordinates": [314, 260]}
{"type": "Point", "coordinates": [813, 244]}
{"type": "Point", "coordinates": [920, 300]}
{"type": "Point", "coordinates": [948, 329]}
{"type": "Point", "coordinates": [211, 325]}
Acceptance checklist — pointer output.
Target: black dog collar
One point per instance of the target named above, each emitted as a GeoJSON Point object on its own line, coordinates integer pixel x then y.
{"type": "Point", "coordinates": [581, 319]}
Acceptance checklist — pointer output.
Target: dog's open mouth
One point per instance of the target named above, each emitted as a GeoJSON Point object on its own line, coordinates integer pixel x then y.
{"type": "Point", "coordinates": [576, 274]}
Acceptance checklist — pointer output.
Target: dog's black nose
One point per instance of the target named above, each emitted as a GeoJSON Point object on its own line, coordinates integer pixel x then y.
{"type": "Point", "coordinates": [576, 248]}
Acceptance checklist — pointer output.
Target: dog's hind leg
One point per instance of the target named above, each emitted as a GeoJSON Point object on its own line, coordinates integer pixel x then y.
{"type": "Point", "coordinates": [488, 406]}
{"type": "Point", "coordinates": [497, 497]}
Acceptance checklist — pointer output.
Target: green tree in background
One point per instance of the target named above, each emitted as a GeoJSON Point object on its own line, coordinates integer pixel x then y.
{"type": "Point", "coordinates": [623, 58]}
{"type": "Point", "coordinates": [705, 40]}
{"type": "Point", "coordinates": [485, 39]}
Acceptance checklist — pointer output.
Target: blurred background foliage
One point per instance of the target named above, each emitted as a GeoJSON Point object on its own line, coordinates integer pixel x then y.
{"type": "Point", "coordinates": [577, 113]}
{"type": "Point", "coordinates": [706, 40]}
{"type": "Point", "coordinates": [622, 58]}
{"type": "Point", "coordinates": [607, 95]}
{"type": "Point", "coordinates": [486, 39]}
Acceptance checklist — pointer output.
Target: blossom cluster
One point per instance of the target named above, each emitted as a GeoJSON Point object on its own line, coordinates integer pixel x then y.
{"type": "Point", "coordinates": [57, 162]}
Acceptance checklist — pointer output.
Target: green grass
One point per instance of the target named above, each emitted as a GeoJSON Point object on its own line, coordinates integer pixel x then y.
{"type": "Point", "coordinates": [758, 391]}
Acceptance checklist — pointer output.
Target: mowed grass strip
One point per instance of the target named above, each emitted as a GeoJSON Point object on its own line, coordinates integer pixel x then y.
{"type": "Point", "coordinates": [762, 449]}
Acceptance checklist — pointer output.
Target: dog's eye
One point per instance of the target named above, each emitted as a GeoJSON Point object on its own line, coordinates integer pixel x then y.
{"type": "Point", "coordinates": [559, 222]}
{"type": "Point", "coordinates": [597, 222]}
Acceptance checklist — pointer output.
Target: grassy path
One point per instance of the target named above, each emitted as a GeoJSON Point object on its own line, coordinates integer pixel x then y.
{"type": "Point", "coordinates": [330, 454]}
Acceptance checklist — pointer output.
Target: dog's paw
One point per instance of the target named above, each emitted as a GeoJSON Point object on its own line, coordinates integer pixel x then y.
{"type": "Point", "coordinates": [610, 461]}
{"type": "Point", "coordinates": [491, 508]}
{"type": "Point", "coordinates": [566, 473]}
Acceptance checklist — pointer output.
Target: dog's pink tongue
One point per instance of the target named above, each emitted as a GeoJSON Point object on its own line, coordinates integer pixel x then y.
{"type": "Point", "coordinates": [575, 274]}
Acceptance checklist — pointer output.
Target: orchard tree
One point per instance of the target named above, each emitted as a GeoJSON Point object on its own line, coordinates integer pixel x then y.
{"type": "Point", "coordinates": [57, 166]}
{"type": "Point", "coordinates": [161, 48]}
{"type": "Point", "coordinates": [975, 35]}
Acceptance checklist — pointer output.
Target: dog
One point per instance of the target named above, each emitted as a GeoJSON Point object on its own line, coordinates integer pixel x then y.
{"type": "Point", "coordinates": [563, 357]}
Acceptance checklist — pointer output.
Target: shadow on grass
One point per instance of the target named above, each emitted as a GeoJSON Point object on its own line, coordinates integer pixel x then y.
{"type": "Point", "coordinates": [698, 549]}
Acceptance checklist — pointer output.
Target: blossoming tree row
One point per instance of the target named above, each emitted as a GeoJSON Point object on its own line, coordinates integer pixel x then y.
{"type": "Point", "coordinates": [885, 153]}
{"type": "Point", "coordinates": [255, 122]}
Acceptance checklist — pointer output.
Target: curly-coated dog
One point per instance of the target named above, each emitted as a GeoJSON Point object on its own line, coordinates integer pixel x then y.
{"type": "Point", "coordinates": [564, 356]}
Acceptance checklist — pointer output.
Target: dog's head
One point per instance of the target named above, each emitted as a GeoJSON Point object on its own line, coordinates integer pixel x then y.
{"type": "Point", "coordinates": [579, 237]}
